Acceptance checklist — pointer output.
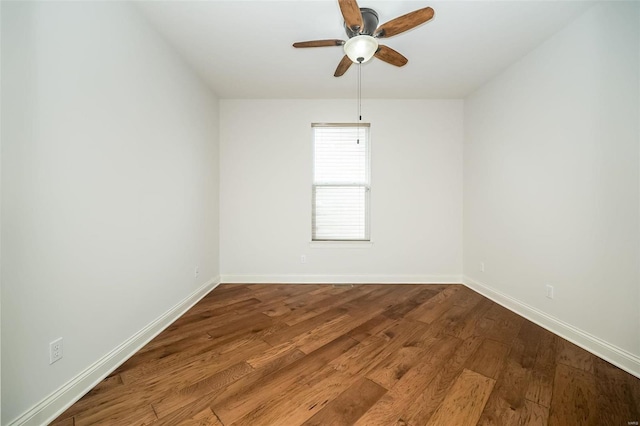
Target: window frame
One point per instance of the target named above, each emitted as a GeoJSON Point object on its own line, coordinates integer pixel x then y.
{"type": "Point", "coordinates": [365, 185]}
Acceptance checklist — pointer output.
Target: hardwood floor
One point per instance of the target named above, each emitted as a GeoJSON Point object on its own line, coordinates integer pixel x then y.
{"type": "Point", "coordinates": [364, 355]}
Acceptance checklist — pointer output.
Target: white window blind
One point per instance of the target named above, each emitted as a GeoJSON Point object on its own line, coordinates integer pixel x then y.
{"type": "Point", "coordinates": [341, 182]}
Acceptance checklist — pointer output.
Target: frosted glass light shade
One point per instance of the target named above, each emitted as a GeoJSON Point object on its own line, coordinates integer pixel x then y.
{"type": "Point", "coordinates": [361, 48]}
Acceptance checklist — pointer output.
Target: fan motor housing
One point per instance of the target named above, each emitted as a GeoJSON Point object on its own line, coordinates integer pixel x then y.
{"type": "Point", "coordinates": [369, 23]}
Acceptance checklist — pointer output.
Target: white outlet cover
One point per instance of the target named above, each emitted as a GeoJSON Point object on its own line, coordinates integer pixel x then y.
{"type": "Point", "coordinates": [549, 291]}
{"type": "Point", "coordinates": [55, 350]}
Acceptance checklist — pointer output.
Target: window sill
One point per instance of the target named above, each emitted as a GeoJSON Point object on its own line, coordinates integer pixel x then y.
{"type": "Point", "coordinates": [341, 244]}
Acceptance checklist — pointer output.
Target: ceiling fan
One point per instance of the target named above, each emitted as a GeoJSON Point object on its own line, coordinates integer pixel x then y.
{"type": "Point", "coordinates": [361, 25]}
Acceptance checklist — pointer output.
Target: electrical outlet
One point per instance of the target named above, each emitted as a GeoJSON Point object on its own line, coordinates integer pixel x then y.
{"type": "Point", "coordinates": [55, 350]}
{"type": "Point", "coordinates": [481, 266]}
{"type": "Point", "coordinates": [196, 272]}
{"type": "Point", "coordinates": [550, 291]}
{"type": "Point", "coordinates": [303, 258]}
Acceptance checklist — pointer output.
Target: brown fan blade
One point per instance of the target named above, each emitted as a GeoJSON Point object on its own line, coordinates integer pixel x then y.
{"type": "Point", "coordinates": [319, 43]}
{"type": "Point", "coordinates": [343, 66]}
{"type": "Point", "coordinates": [390, 56]}
{"type": "Point", "coordinates": [404, 23]}
{"type": "Point", "coordinates": [351, 14]}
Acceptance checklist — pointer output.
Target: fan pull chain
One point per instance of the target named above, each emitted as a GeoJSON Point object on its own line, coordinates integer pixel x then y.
{"type": "Point", "coordinates": [359, 100]}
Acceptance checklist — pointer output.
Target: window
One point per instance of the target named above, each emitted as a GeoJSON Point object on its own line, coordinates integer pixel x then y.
{"type": "Point", "coordinates": [341, 182]}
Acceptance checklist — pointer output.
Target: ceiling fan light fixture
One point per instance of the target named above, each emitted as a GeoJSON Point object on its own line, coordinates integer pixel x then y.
{"type": "Point", "coordinates": [361, 48]}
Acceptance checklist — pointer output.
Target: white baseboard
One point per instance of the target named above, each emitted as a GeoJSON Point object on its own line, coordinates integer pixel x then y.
{"type": "Point", "coordinates": [611, 353]}
{"type": "Point", "coordinates": [53, 405]}
{"type": "Point", "coordinates": [340, 279]}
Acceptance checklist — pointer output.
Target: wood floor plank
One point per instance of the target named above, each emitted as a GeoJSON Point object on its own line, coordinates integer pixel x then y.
{"type": "Point", "coordinates": [203, 356]}
{"type": "Point", "coordinates": [112, 385]}
{"type": "Point", "coordinates": [197, 390]}
{"type": "Point", "coordinates": [297, 408]}
{"type": "Point", "coordinates": [276, 310]}
{"type": "Point", "coordinates": [237, 301]}
{"type": "Point", "coordinates": [615, 397]}
{"type": "Point", "coordinates": [246, 382]}
{"type": "Point", "coordinates": [285, 355]}
{"type": "Point", "coordinates": [226, 324]}
{"type": "Point", "coordinates": [434, 307]}
{"type": "Point", "coordinates": [411, 301]}
{"type": "Point", "coordinates": [237, 405]}
{"type": "Point", "coordinates": [499, 324]}
{"type": "Point", "coordinates": [396, 404]}
{"type": "Point", "coordinates": [300, 328]}
{"type": "Point", "coordinates": [360, 358]}
{"type": "Point", "coordinates": [540, 386]}
{"type": "Point", "coordinates": [113, 381]}
{"type": "Point", "coordinates": [467, 328]}
{"type": "Point", "coordinates": [180, 376]}
{"type": "Point", "coordinates": [324, 333]}
{"type": "Point", "coordinates": [319, 307]}
{"type": "Point", "coordinates": [150, 354]}
{"type": "Point", "coordinates": [467, 298]}
{"type": "Point", "coordinates": [426, 403]}
{"type": "Point", "coordinates": [534, 414]}
{"type": "Point", "coordinates": [237, 306]}
{"type": "Point", "coordinates": [349, 406]}
{"type": "Point", "coordinates": [222, 295]}
{"type": "Point", "coordinates": [529, 336]}
{"type": "Point", "coordinates": [574, 356]}
{"type": "Point", "coordinates": [402, 334]}
{"type": "Point", "coordinates": [634, 387]}
{"type": "Point", "coordinates": [63, 422]}
{"type": "Point", "coordinates": [465, 400]}
{"type": "Point", "coordinates": [489, 358]}
{"type": "Point", "coordinates": [269, 355]}
{"type": "Point", "coordinates": [204, 418]}
{"type": "Point", "coordinates": [276, 305]}
{"type": "Point", "coordinates": [506, 404]}
{"type": "Point", "coordinates": [391, 369]}
{"type": "Point", "coordinates": [452, 321]}
{"type": "Point", "coordinates": [140, 413]}
{"type": "Point", "coordinates": [448, 319]}
{"type": "Point", "coordinates": [304, 302]}
{"type": "Point", "coordinates": [371, 327]}
{"type": "Point", "coordinates": [318, 395]}
{"type": "Point", "coordinates": [575, 400]}
{"type": "Point", "coordinates": [253, 322]}
{"type": "Point", "coordinates": [280, 291]}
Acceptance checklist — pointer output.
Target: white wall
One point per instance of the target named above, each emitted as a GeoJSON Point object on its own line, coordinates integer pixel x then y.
{"type": "Point", "coordinates": [109, 187]}
{"type": "Point", "coordinates": [551, 169]}
{"type": "Point", "coordinates": [265, 191]}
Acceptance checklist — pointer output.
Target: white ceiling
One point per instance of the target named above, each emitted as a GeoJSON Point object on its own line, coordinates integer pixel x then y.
{"type": "Point", "coordinates": [243, 49]}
